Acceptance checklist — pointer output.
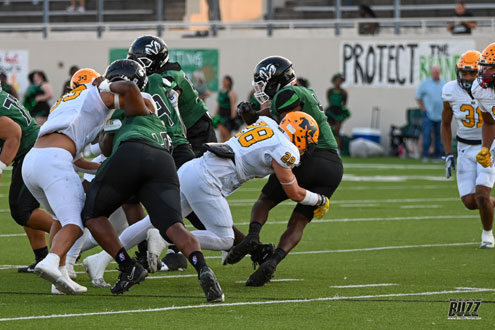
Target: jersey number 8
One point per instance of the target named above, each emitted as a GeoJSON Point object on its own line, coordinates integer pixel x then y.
{"type": "Point", "coordinates": [254, 133]}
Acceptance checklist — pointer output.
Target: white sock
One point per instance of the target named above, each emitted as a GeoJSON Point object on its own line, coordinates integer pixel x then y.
{"type": "Point", "coordinates": [63, 270]}
{"type": "Point", "coordinates": [136, 233]}
{"type": "Point", "coordinates": [487, 234]}
{"type": "Point", "coordinates": [89, 243]}
{"type": "Point", "coordinates": [75, 249]}
{"type": "Point", "coordinates": [52, 259]}
{"type": "Point", "coordinates": [211, 241]}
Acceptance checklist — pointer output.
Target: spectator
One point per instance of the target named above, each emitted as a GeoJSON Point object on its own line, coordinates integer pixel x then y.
{"type": "Point", "coordinates": [368, 27]}
{"type": "Point", "coordinates": [226, 118]}
{"type": "Point", "coordinates": [429, 98]}
{"type": "Point", "coordinates": [73, 69]}
{"type": "Point", "coordinates": [199, 82]}
{"type": "Point", "coordinates": [81, 8]}
{"type": "Point", "coordinates": [37, 96]}
{"type": "Point", "coordinates": [6, 86]}
{"type": "Point", "coordinates": [337, 111]}
{"type": "Point", "coordinates": [463, 27]}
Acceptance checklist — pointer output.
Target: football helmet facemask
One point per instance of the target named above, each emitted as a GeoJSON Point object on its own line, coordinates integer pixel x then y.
{"type": "Point", "coordinates": [270, 75]}
{"type": "Point", "coordinates": [302, 129]}
{"type": "Point", "coordinates": [83, 76]}
{"type": "Point", "coordinates": [149, 51]}
{"type": "Point", "coordinates": [487, 63]}
{"type": "Point", "coordinates": [467, 63]}
{"type": "Point", "coordinates": [127, 70]}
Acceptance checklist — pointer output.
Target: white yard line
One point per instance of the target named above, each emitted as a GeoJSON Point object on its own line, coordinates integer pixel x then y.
{"type": "Point", "coordinates": [243, 201]}
{"type": "Point", "coordinates": [395, 166]}
{"type": "Point", "coordinates": [284, 222]}
{"type": "Point", "coordinates": [247, 303]}
{"type": "Point", "coordinates": [363, 285]}
{"type": "Point", "coordinates": [170, 276]}
{"type": "Point", "coordinates": [279, 280]}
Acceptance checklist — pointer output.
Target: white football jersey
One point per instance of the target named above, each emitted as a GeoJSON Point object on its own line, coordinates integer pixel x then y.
{"type": "Point", "coordinates": [466, 111]}
{"type": "Point", "coordinates": [485, 98]}
{"type": "Point", "coordinates": [79, 114]}
{"type": "Point", "coordinates": [255, 147]}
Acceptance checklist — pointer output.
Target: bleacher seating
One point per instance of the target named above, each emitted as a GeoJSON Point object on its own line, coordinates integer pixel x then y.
{"type": "Point", "coordinates": [324, 9]}
{"type": "Point", "coordinates": [24, 11]}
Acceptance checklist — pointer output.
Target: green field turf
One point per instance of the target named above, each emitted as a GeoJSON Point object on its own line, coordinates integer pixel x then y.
{"type": "Point", "coordinates": [393, 222]}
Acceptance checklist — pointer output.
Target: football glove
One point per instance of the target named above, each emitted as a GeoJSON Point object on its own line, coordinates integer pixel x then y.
{"type": "Point", "coordinates": [173, 97]}
{"type": "Point", "coordinates": [247, 112]}
{"type": "Point", "coordinates": [322, 208]}
{"type": "Point", "coordinates": [449, 165]}
{"type": "Point", "coordinates": [483, 157]}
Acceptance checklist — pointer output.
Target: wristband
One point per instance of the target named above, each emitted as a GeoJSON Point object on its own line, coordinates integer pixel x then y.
{"type": "Point", "coordinates": [105, 86]}
{"type": "Point", "coordinates": [116, 101]}
{"type": "Point", "coordinates": [310, 198]}
{"type": "Point", "coordinates": [289, 183]}
{"type": "Point", "coordinates": [3, 166]}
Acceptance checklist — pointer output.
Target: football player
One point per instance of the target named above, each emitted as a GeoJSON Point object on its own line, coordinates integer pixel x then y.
{"type": "Point", "coordinates": [140, 152]}
{"type": "Point", "coordinates": [320, 170]}
{"type": "Point", "coordinates": [152, 53]}
{"type": "Point", "coordinates": [474, 182]}
{"type": "Point", "coordinates": [18, 132]}
{"type": "Point", "coordinates": [483, 91]}
{"type": "Point", "coordinates": [74, 121]}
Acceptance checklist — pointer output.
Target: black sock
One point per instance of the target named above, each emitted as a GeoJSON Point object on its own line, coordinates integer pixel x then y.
{"type": "Point", "coordinates": [143, 247]}
{"type": "Point", "coordinates": [278, 255]}
{"type": "Point", "coordinates": [40, 254]}
{"type": "Point", "coordinates": [197, 260]}
{"type": "Point", "coordinates": [254, 229]}
{"type": "Point", "coordinates": [174, 248]}
{"type": "Point", "coordinates": [123, 259]}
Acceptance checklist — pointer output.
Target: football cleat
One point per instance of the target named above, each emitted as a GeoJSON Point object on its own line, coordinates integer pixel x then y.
{"type": "Point", "coordinates": [53, 275]}
{"type": "Point", "coordinates": [76, 286]}
{"type": "Point", "coordinates": [95, 266]}
{"type": "Point", "coordinates": [127, 278]}
{"type": "Point", "coordinates": [263, 275]}
{"type": "Point", "coordinates": [156, 244]}
{"type": "Point", "coordinates": [248, 245]}
{"type": "Point", "coordinates": [262, 253]}
{"type": "Point", "coordinates": [175, 261]}
{"type": "Point", "coordinates": [487, 245]}
{"type": "Point", "coordinates": [27, 269]}
{"type": "Point", "coordinates": [210, 285]}
{"type": "Point", "coordinates": [487, 241]}
{"type": "Point", "coordinates": [55, 290]}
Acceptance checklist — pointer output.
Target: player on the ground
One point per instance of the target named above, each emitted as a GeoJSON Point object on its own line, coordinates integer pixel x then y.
{"type": "Point", "coordinates": [141, 154]}
{"type": "Point", "coordinates": [18, 132]}
{"type": "Point", "coordinates": [320, 170]}
{"type": "Point", "coordinates": [152, 53]}
{"type": "Point", "coordinates": [474, 182]}
{"type": "Point", "coordinates": [48, 171]}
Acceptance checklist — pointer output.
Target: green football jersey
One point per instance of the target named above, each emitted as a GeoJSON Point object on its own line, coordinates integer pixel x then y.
{"type": "Point", "coordinates": [11, 107]}
{"type": "Point", "coordinates": [148, 128]}
{"type": "Point", "coordinates": [166, 112]}
{"type": "Point", "coordinates": [191, 107]}
{"type": "Point", "coordinates": [311, 106]}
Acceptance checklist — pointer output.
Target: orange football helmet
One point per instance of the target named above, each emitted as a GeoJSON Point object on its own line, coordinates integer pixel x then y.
{"type": "Point", "coordinates": [302, 130]}
{"type": "Point", "coordinates": [467, 63]}
{"type": "Point", "coordinates": [83, 76]}
{"type": "Point", "coordinates": [486, 74]}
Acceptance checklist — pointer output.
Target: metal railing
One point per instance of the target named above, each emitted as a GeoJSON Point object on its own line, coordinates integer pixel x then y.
{"type": "Point", "coordinates": [270, 25]}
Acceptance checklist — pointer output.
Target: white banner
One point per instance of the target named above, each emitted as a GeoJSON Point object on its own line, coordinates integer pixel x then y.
{"type": "Point", "coordinates": [399, 63]}
{"type": "Point", "coordinates": [15, 63]}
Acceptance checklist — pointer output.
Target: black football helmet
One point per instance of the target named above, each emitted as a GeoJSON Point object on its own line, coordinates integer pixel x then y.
{"type": "Point", "coordinates": [270, 75]}
{"type": "Point", "coordinates": [127, 70]}
{"type": "Point", "coordinates": [149, 51]}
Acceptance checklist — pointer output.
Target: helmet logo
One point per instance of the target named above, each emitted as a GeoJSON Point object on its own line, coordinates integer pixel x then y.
{"type": "Point", "coordinates": [266, 72]}
{"type": "Point", "coordinates": [152, 48]}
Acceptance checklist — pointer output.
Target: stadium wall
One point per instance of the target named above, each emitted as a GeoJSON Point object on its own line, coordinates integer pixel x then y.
{"type": "Point", "coordinates": [314, 58]}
